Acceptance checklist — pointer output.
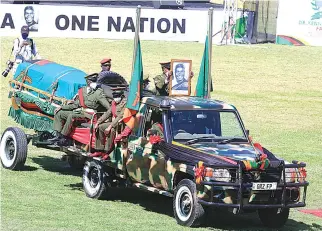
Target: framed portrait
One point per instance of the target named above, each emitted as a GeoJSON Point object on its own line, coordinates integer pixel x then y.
{"type": "Point", "coordinates": [180, 83]}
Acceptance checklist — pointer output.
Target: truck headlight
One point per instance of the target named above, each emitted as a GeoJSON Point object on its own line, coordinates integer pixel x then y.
{"type": "Point", "coordinates": [218, 175]}
{"type": "Point", "coordinates": [290, 175]}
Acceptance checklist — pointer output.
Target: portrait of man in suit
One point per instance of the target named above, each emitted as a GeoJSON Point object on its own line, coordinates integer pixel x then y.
{"type": "Point", "coordinates": [181, 77]}
{"type": "Point", "coordinates": [29, 15]}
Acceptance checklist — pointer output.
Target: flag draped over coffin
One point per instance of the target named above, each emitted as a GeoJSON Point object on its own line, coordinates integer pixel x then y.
{"type": "Point", "coordinates": [135, 89]}
{"type": "Point", "coordinates": [202, 83]}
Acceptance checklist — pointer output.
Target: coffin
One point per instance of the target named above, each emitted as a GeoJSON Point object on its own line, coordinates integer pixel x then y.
{"type": "Point", "coordinates": [56, 79]}
{"type": "Point", "coordinates": [38, 88]}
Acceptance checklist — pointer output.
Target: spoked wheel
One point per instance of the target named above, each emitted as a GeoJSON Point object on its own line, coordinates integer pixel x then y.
{"type": "Point", "coordinates": [273, 217]}
{"type": "Point", "coordinates": [94, 180]}
{"type": "Point", "coordinates": [13, 148]}
{"type": "Point", "coordinates": [187, 210]}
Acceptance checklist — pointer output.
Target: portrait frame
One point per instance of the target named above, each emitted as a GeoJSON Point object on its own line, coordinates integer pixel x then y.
{"type": "Point", "coordinates": [183, 88]}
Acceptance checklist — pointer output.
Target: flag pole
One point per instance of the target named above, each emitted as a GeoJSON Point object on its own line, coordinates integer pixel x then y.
{"type": "Point", "coordinates": [210, 14]}
{"type": "Point", "coordinates": [136, 38]}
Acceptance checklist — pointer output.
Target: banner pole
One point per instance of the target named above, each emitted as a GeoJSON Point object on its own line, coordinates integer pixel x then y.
{"type": "Point", "coordinates": [136, 37]}
{"type": "Point", "coordinates": [210, 22]}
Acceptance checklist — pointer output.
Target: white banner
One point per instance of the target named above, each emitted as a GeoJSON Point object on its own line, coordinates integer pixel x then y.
{"type": "Point", "coordinates": [299, 22]}
{"type": "Point", "coordinates": [107, 22]}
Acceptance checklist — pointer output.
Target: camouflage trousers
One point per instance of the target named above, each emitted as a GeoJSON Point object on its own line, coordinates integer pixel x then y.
{"type": "Point", "coordinates": [63, 120]}
{"type": "Point", "coordinates": [104, 142]}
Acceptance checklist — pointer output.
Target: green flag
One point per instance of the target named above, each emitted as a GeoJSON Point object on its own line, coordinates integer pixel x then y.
{"type": "Point", "coordinates": [135, 91]}
{"type": "Point", "coordinates": [202, 84]}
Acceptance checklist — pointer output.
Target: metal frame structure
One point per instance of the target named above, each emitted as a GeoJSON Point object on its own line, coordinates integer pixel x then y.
{"type": "Point", "coordinates": [228, 30]}
{"type": "Point", "coordinates": [241, 187]}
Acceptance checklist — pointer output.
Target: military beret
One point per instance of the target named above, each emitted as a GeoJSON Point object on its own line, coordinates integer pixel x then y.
{"type": "Point", "coordinates": [166, 65]}
{"type": "Point", "coordinates": [106, 62]}
{"type": "Point", "coordinates": [92, 77]}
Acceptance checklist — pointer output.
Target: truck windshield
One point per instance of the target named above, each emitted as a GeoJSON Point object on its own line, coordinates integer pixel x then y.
{"type": "Point", "coordinates": [206, 125]}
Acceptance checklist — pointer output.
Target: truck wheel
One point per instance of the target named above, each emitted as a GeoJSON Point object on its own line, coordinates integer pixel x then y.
{"type": "Point", "coordinates": [272, 218]}
{"type": "Point", "coordinates": [76, 162]}
{"type": "Point", "coordinates": [13, 148]}
{"type": "Point", "coordinates": [187, 210]}
{"type": "Point", "coordinates": [94, 180]}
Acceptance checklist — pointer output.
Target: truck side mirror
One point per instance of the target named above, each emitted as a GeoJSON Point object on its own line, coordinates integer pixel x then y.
{"type": "Point", "coordinates": [247, 132]}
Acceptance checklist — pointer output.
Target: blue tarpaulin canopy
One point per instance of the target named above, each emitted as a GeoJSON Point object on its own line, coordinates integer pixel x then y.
{"type": "Point", "coordinates": [46, 75]}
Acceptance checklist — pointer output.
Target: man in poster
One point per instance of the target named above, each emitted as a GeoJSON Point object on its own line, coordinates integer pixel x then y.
{"type": "Point", "coordinates": [29, 14]}
{"type": "Point", "coordinates": [179, 74]}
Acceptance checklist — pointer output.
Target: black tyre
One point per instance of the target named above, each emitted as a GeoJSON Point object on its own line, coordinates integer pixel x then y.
{"type": "Point", "coordinates": [13, 148]}
{"type": "Point", "coordinates": [187, 210]}
{"type": "Point", "coordinates": [111, 78]}
{"type": "Point", "coordinates": [273, 218]}
{"type": "Point", "coordinates": [76, 162]}
{"type": "Point", "coordinates": [94, 180]}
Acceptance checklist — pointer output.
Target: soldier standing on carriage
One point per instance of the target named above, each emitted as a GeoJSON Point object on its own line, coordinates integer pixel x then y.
{"type": "Point", "coordinates": [162, 81]}
{"type": "Point", "coordinates": [106, 64]}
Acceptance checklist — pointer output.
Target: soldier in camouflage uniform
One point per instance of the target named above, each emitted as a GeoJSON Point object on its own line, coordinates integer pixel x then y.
{"type": "Point", "coordinates": [162, 81]}
{"type": "Point", "coordinates": [90, 99]}
{"type": "Point", "coordinates": [147, 85]}
{"type": "Point", "coordinates": [107, 123]}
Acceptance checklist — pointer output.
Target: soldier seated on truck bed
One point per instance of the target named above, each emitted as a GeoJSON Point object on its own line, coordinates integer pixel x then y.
{"type": "Point", "coordinates": [90, 99]}
{"type": "Point", "coordinates": [156, 125]}
{"type": "Point", "coordinates": [106, 125]}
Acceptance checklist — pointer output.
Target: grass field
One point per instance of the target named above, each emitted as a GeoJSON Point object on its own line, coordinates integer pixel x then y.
{"type": "Point", "coordinates": [277, 90]}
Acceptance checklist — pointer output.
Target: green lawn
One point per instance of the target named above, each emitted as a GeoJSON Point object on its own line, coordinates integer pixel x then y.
{"type": "Point", "coordinates": [277, 90]}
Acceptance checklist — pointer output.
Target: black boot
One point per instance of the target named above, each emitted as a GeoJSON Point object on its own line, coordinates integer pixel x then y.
{"type": "Point", "coordinates": [58, 136]}
{"type": "Point", "coordinates": [64, 141]}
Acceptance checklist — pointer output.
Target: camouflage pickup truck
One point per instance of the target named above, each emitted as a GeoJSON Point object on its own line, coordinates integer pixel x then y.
{"type": "Point", "coordinates": [199, 152]}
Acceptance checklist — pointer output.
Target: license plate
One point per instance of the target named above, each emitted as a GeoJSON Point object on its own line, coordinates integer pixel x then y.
{"type": "Point", "coordinates": [265, 186]}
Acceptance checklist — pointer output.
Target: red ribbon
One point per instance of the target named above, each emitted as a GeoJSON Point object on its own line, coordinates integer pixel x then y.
{"type": "Point", "coordinates": [114, 109]}
{"type": "Point", "coordinates": [154, 139]}
{"type": "Point", "coordinates": [81, 98]}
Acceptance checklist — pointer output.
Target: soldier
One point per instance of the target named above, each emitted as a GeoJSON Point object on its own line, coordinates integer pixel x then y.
{"type": "Point", "coordinates": [90, 99]}
{"type": "Point", "coordinates": [107, 123]}
{"type": "Point", "coordinates": [162, 81]}
{"type": "Point", "coordinates": [156, 129]}
{"type": "Point", "coordinates": [106, 64]}
{"type": "Point", "coordinates": [147, 85]}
